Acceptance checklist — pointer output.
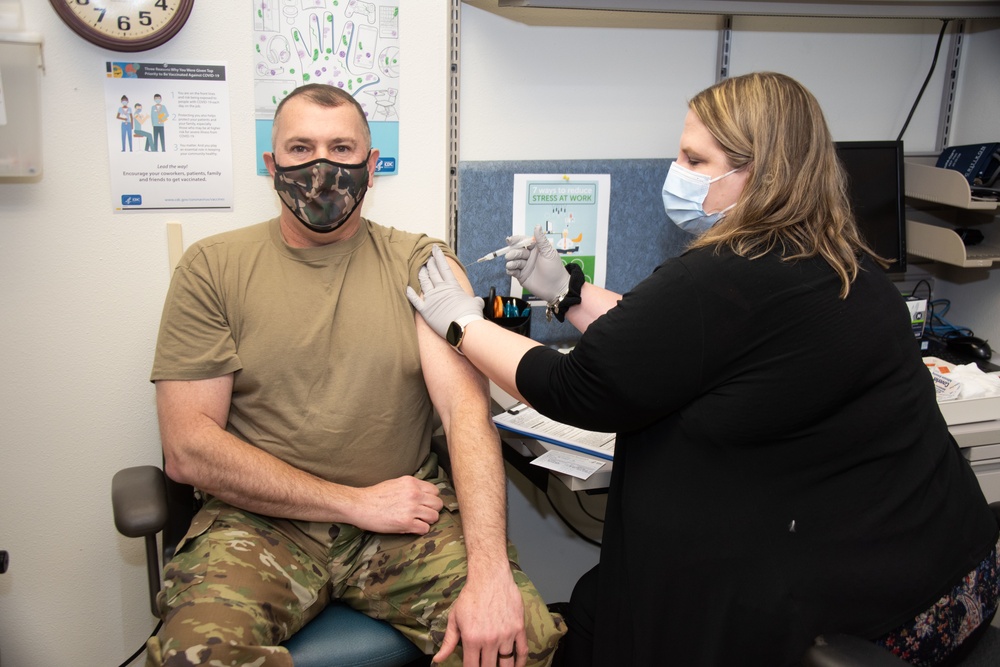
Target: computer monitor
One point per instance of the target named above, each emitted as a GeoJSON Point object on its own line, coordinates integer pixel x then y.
{"type": "Point", "coordinates": [875, 181]}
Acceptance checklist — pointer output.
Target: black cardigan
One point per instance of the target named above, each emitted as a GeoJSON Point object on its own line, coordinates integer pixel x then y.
{"type": "Point", "coordinates": [782, 468]}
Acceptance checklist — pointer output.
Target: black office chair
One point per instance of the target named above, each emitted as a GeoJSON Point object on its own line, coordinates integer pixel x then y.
{"type": "Point", "coordinates": [145, 502]}
{"type": "Point", "coordinates": [848, 651]}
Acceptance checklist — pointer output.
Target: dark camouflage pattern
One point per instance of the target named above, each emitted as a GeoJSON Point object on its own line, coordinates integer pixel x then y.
{"type": "Point", "coordinates": [322, 194]}
{"type": "Point", "coordinates": [231, 560]}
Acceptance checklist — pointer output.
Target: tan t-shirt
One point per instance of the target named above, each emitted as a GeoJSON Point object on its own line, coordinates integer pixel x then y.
{"type": "Point", "coordinates": [321, 341]}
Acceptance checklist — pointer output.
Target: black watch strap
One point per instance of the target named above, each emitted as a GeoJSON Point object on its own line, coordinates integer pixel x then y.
{"type": "Point", "coordinates": [571, 298]}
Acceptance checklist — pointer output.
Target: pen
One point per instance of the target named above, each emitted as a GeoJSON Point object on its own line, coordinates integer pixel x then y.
{"type": "Point", "coordinates": [523, 243]}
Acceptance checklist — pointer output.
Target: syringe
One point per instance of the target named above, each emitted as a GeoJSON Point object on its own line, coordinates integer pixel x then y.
{"type": "Point", "coordinates": [523, 243]}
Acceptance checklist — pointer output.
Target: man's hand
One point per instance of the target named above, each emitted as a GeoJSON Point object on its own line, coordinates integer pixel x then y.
{"type": "Point", "coordinates": [488, 619]}
{"type": "Point", "coordinates": [402, 505]}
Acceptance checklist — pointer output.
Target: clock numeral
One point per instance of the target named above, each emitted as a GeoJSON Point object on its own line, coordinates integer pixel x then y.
{"type": "Point", "coordinates": [123, 23]}
{"type": "Point", "coordinates": [145, 18]}
{"type": "Point", "coordinates": [162, 4]}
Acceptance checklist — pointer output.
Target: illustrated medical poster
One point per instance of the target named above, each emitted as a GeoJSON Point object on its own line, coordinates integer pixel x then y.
{"type": "Point", "coordinates": [351, 44]}
{"type": "Point", "coordinates": [169, 139]}
{"type": "Point", "coordinates": [573, 212]}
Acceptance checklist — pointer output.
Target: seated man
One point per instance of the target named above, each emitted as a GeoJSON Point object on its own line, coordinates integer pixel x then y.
{"type": "Point", "coordinates": [304, 412]}
{"type": "Point", "coordinates": [139, 118]}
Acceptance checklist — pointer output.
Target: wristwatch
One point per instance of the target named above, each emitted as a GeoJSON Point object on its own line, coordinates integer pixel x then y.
{"type": "Point", "coordinates": [456, 331]}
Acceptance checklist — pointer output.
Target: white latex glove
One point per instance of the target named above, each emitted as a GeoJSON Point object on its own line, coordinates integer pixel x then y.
{"type": "Point", "coordinates": [444, 300]}
{"type": "Point", "coordinates": [538, 269]}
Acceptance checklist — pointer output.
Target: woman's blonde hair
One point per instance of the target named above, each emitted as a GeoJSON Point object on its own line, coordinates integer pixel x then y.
{"type": "Point", "coordinates": [795, 199]}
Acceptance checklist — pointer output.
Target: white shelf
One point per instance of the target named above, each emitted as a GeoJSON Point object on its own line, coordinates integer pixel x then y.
{"type": "Point", "coordinates": [850, 8]}
{"type": "Point", "coordinates": [942, 244]}
{"type": "Point", "coordinates": [926, 182]}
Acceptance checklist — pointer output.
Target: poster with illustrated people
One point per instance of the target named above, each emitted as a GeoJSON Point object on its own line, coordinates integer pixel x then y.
{"type": "Point", "coordinates": [351, 44]}
{"type": "Point", "coordinates": [573, 211]}
{"type": "Point", "coordinates": [169, 138]}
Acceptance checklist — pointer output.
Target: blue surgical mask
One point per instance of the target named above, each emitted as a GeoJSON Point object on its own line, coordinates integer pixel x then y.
{"type": "Point", "coordinates": [684, 193]}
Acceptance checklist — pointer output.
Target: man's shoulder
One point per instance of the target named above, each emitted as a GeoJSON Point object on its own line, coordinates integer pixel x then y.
{"type": "Point", "coordinates": [234, 239]}
{"type": "Point", "coordinates": [396, 235]}
{"type": "Point", "coordinates": [401, 241]}
{"type": "Point", "coordinates": [254, 232]}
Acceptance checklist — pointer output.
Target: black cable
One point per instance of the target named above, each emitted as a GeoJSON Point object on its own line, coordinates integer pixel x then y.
{"type": "Point", "coordinates": [937, 50]}
{"type": "Point", "coordinates": [579, 501]}
{"type": "Point", "coordinates": [930, 292]}
{"type": "Point", "coordinates": [570, 525]}
{"type": "Point", "coordinates": [142, 648]}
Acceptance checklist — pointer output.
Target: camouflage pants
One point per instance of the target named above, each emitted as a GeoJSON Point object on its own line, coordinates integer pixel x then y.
{"type": "Point", "coordinates": [240, 584]}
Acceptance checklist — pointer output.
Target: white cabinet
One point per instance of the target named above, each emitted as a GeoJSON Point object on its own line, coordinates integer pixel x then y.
{"type": "Point", "coordinates": [985, 462]}
{"type": "Point", "coordinates": [975, 425]}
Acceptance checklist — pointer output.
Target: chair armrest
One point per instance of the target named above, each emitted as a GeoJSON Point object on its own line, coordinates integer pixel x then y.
{"type": "Point", "coordinates": [139, 501]}
{"type": "Point", "coordinates": [848, 651]}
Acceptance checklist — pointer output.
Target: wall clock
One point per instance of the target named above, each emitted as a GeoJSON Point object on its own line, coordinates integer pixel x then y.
{"type": "Point", "coordinates": [124, 25]}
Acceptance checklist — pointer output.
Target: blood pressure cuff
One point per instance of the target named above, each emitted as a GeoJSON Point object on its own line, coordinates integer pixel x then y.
{"type": "Point", "coordinates": [979, 163]}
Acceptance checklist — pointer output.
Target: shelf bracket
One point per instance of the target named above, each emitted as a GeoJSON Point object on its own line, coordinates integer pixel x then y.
{"type": "Point", "coordinates": [454, 48]}
{"type": "Point", "coordinates": [950, 85]}
{"type": "Point", "coordinates": [725, 49]}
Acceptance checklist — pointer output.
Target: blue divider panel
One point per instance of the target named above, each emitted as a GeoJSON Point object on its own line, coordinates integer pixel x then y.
{"type": "Point", "coordinates": [640, 236]}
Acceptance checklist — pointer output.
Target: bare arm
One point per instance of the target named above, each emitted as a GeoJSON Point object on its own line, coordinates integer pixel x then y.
{"type": "Point", "coordinates": [497, 352]}
{"type": "Point", "coordinates": [488, 616]}
{"type": "Point", "coordinates": [594, 302]}
{"type": "Point", "coordinates": [199, 451]}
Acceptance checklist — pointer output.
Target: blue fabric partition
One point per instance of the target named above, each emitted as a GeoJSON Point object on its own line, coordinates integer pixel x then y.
{"type": "Point", "coordinates": [640, 236]}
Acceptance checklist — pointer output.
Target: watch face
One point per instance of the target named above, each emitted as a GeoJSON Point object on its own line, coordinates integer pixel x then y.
{"type": "Point", "coordinates": [454, 334]}
{"type": "Point", "coordinates": [124, 25]}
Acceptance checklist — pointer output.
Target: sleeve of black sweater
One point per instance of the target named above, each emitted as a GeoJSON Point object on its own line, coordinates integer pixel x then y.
{"type": "Point", "coordinates": [638, 362]}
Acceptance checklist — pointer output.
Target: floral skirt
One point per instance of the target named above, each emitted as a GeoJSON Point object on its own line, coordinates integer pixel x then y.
{"type": "Point", "coordinates": [934, 635]}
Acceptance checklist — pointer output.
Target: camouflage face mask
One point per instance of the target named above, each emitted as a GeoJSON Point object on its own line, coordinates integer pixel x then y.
{"type": "Point", "coordinates": [322, 194]}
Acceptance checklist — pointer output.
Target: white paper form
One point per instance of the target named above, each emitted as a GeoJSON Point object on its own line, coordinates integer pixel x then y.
{"type": "Point", "coordinates": [528, 421]}
{"type": "Point", "coordinates": [581, 467]}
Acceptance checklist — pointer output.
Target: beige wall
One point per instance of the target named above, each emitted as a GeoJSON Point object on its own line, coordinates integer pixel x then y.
{"type": "Point", "coordinates": [80, 295]}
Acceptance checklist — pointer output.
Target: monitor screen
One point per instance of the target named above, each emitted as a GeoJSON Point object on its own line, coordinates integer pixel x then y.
{"type": "Point", "coordinates": [875, 182]}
